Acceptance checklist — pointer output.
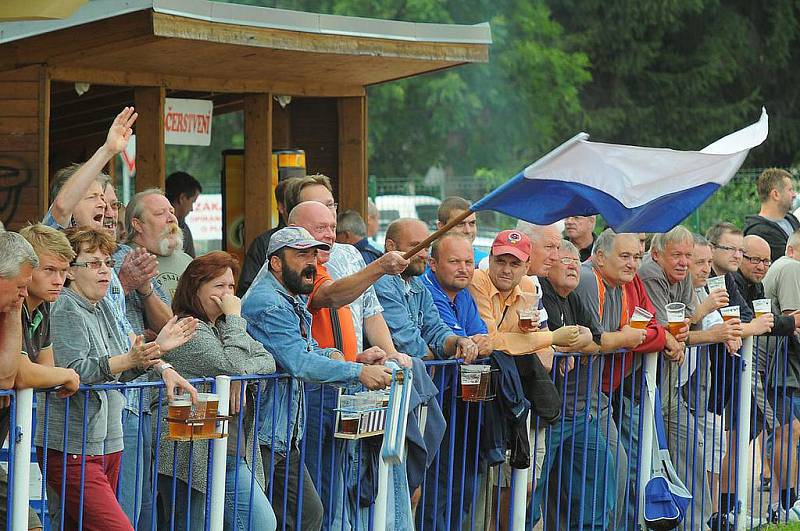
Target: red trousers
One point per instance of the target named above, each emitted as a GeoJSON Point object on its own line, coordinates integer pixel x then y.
{"type": "Point", "coordinates": [101, 511]}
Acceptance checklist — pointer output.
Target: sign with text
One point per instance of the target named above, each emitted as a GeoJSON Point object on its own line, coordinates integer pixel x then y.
{"type": "Point", "coordinates": [187, 122]}
{"type": "Point", "coordinates": [205, 220]}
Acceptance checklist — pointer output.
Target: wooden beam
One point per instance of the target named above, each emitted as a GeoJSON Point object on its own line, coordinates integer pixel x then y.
{"type": "Point", "coordinates": [281, 128]}
{"type": "Point", "coordinates": [208, 84]}
{"type": "Point", "coordinates": [165, 25]}
{"type": "Point", "coordinates": [353, 154]}
{"type": "Point", "coordinates": [257, 165]}
{"type": "Point", "coordinates": [149, 129]}
{"type": "Point", "coordinates": [44, 141]}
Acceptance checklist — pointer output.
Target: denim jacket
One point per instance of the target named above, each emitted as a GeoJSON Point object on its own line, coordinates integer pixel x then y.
{"type": "Point", "coordinates": [411, 316]}
{"type": "Point", "coordinates": [282, 323]}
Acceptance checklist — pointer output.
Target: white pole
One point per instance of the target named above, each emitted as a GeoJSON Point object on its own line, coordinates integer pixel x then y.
{"type": "Point", "coordinates": [220, 457]}
{"type": "Point", "coordinates": [382, 499]}
{"type": "Point", "coordinates": [22, 460]}
{"type": "Point", "coordinates": [519, 477]}
{"type": "Point", "coordinates": [743, 433]}
{"type": "Point", "coordinates": [646, 420]}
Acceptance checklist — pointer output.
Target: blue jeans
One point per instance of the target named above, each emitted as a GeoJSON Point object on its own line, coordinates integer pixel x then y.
{"type": "Point", "coordinates": [580, 453]}
{"type": "Point", "coordinates": [239, 517]}
{"type": "Point", "coordinates": [135, 483]}
{"type": "Point", "coordinates": [323, 454]}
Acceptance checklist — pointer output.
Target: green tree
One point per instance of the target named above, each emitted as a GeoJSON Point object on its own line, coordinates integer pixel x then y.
{"type": "Point", "coordinates": [684, 72]}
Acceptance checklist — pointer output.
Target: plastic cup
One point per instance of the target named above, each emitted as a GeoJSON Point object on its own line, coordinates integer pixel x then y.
{"type": "Point", "coordinates": [676, 312]}
{"type": "Point", "coordinates": [762, 306]}
{"type": "Point", "coordinates": [729, 312]}
{"type": "Point", "coordinates": [640, 318]}
{"type": "Point", "coordinates": [349, 414]}
{"type": "Point", "coordinates": [529, 303]}
{"type": "Point", "coordinates": [208, 408]}
{"type": "Point", "coordinates": [180, 408]}
{"type": "Point", "coordinates": [474, 379]}
{"type": "Point", "coordinates": [716, 283]}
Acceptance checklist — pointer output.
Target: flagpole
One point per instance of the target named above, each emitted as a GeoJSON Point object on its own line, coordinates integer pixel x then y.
{"type": "Point", "coordinates": [438, 234]}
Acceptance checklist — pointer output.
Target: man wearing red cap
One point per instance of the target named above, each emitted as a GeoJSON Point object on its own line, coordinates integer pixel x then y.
{"type": "Point", "coordinates": [502, 294]}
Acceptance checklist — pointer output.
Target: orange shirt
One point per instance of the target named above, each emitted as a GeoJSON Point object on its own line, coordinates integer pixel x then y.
{"type": "Point", "coordinates": [324, 326]}
{"type": "Point", "coordinates": [499, 312]}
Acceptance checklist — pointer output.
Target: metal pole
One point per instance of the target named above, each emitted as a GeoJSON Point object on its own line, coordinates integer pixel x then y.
{"type": "Point", "coordinates": [646, 421]}
{"type": "Point", "coordinates": [22, 459]}
{"type": "Point", "coordinates": [519, 478]}
{"type": "Point", "coordinates": [743, 433]}
{"type": "Point", "coordinates": [223, 390]}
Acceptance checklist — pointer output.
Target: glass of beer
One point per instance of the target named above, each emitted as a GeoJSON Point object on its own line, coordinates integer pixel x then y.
{"type": "Point", "coordinates": [675, 317]}
{"type": "Point", "coordinates": [180, 408]}
{"type": "Point", "coordinates": [470, 382]}
{"type": "Point", "coordinates": [640, 318]}
{"type": "Point", "coordinates": [716, 283]}
{"type": "Point", "coordinates": [529, 303]}
{"type": "Point", "coordinates": [762, 306]}
{"type": "Point", "coordinates": [729, 312]}
{"type": "Point", "coordinates": [208, 410]}
{"type": "Point", "coordinates": [349, 414]}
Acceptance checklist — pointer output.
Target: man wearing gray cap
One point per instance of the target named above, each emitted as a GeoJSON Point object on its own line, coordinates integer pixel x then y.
{"type": "Point", "coordinates": [276, 310]}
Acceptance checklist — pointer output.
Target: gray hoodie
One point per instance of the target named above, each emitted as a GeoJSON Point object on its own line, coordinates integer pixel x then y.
{"type": "Point", "coordinates": [84, 336]}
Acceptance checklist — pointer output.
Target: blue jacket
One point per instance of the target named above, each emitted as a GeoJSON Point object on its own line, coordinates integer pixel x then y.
{"type": "Point", "coordinates": [282, 323]}
{"type": "Point", "coordinates": [460, 314]}
{"type": "Point", "coordinates": [411, 316]}
{"type": "Point", "coordinates": [368, 251]}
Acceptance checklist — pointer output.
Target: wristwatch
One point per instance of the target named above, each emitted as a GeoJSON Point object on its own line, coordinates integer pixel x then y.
{"type": "Point", "coordinates": [161, 368]}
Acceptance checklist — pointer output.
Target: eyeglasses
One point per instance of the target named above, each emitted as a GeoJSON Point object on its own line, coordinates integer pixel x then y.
{"type": "Point", "coordinates": [727, 249]}
{"type": "Point", "coordinates": [755, 260]}
{"type": "Point", "coordinates": [567, 261]}
{"type": "Point", "coordinates": [96, 264]}
{"type": "Point", "coordinates": [332, 206]}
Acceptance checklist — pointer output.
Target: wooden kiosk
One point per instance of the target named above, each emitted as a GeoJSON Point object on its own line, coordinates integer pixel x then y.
{"type": "Point", "coordinates": [138, 52]}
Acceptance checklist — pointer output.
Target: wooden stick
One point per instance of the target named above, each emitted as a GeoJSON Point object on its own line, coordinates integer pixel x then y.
{"type": "Point", "coordinates": [438, 234]}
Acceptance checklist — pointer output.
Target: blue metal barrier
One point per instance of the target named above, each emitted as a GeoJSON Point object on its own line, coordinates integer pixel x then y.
{"type": "Point", "coordinates": [591, 466]}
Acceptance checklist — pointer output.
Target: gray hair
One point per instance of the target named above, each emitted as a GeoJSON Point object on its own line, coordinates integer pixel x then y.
{"type": "Point", "coordinates": [14, 252]}
{"type": "Point", "coordinates": [372, 210]}
{"type": "Point", "coordinates": [65, 174]}
{"type": "Point", "coordinates": [533, 231]}
{"type": "Point", "coordinates": [794, 240]}
{"type": "Point", "coordinates": [352, 222]}
{"type": "Point", "coordinates": [568, 246]}
{"type": "Point", "coordinates": [135, 209]}
{"type": "Point", "coordinates": [701, 240]}
{"type": "Point", "coordinates": [678, 234]}
{"type": "Point", "coordinates": [604, 242]}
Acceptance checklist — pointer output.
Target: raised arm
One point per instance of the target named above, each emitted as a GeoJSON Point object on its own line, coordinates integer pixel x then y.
{"type": "Point", "coordinates": [76, 186]}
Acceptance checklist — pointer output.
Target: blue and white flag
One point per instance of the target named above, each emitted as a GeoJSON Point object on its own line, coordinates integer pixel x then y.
{"type": "Point", "coordinates": [635, 189]}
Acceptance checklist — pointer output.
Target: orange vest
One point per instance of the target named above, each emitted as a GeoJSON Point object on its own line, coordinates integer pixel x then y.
{"type": "Point", "coordinates": [333, 327]}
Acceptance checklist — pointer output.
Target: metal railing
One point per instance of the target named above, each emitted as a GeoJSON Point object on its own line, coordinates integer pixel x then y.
{"type": "Point", "coordinates": [586, 467]}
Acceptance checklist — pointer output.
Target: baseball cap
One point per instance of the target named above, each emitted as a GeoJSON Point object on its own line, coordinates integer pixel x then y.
{"type": "Point", "coordinates": [512, 242]}
{"type": "Point", "coordinates": [295, 238]}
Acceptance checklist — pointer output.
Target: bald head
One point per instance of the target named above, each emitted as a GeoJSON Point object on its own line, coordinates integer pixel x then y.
{"type": "Point", "coordinates": [317, 219]}
{"type": "Point", "coordinates": [756, 259]}
{"type": "Point", "coordinates": [403, 235]}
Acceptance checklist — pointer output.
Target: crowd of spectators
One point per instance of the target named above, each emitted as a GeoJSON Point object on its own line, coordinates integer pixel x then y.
{"type": "Point", "coordinates": [90, 296]}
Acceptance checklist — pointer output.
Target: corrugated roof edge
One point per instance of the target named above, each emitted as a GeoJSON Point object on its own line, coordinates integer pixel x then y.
{"type": "Point", "coordinates": [263, 17]}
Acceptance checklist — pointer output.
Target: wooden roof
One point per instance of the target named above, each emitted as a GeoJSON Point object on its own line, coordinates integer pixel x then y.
{"type": "Point", "coordinates": [219, 47]}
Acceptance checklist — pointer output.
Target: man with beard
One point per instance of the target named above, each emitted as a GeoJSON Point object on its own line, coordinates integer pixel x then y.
{"type": "Point", "coordinates": [775, 221]}
{"type": "Point", "coordinates": [276, 309]}
{"type": "Point", "coordinates": [151, 223]}
{"type": "Point", "coordinates": [417, 329]}
{"type": "Point", "coordinates": [580, 231]}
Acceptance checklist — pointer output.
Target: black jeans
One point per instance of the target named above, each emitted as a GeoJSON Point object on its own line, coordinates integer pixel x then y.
{"type": "Point", "coordinates": [312, 512]}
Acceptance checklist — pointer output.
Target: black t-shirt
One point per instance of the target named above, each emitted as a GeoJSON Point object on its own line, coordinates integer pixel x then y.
{"type": "Point", "coordinates": [567, 311]}
{"type": "Point", "coordinates": [36, 330]}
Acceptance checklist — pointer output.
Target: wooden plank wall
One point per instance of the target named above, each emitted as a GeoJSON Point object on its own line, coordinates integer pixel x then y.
{"type": "Point", "coordinates": [24, 108]}
{"type": "Point", "coordinates": [315, 129]}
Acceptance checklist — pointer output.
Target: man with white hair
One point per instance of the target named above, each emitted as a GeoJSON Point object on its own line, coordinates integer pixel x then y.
{"type": "Point", "coordinates": [579, 230]}
{"type": "Point", "coordinates": [151, 223]}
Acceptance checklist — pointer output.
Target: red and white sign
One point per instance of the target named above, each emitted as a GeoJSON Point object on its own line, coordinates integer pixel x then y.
{"type": "Point", "coordinates": [205, 221]}
{"type": "Point", "coordinates": [187, 122]}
